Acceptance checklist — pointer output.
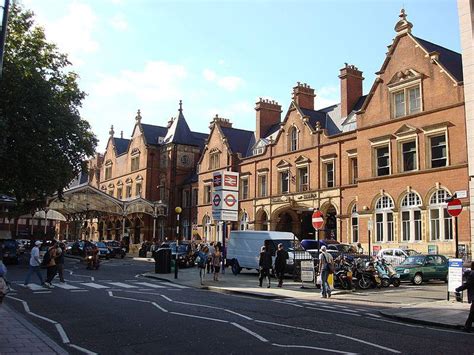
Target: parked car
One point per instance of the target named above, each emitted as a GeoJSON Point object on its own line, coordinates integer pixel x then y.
{"type": "Point", "coordinates": [419, 268]}
{"type": "Point", "coordinates": [9, 249]}
{"type": "Point", "coordinates": [22, 245]}
{"type": "Point", "coordinates": [396, 256]}
{"type": "Point", "coordinates": [104, 251]}
{"type": "Point", "coordinates": [78, 248]}
{"type": "Point", "coordinates": [184, 254]}
{"type": "Point", "coordinates": [116, 249]}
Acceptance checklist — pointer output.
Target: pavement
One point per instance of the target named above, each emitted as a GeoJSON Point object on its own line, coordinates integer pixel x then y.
{"type": "Point", "coordinates": [19, 336]}
{"type": "Point", "coordinates": [441, 313]}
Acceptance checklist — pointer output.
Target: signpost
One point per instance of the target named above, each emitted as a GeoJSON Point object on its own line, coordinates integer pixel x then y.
{"type": "Point", "coordinates": [307, 271]}
{"type": "Point", "coordinates": [369, 230]}
{"type": "Point", "coordinates": [454, 275]}
{"type": "Point", "coordinates": [454, 209]}
{"type": "Point", "coordinates": [318, 222]}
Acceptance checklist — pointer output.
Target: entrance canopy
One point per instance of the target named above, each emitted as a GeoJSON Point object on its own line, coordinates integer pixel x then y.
{"type": "Point", "coordinates": [86, 198]}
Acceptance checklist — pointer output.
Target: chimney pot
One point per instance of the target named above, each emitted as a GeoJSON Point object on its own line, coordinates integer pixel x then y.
{"type": "Point", "coordinates": [304, 95]}
{"type": "Point", "coordinates": [351, 88]}
{"type": "Point", "coordinates": [268, 113]}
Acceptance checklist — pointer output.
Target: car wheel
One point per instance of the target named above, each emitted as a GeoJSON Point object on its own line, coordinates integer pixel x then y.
{"type": "Point", "coordinates": [236, 267]}
{"type": "Point", "coordinates": [417, 279]}
{"type": "Point", "coordinates": [396, 282]}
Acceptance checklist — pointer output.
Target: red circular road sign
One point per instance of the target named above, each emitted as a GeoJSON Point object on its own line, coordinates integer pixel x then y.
{"type": "Point", "coordinates": [454, 207]}
{"type": "Point", "coordinates": [230, 200]}
{"type": "Point", "coordinates": [317, 219]}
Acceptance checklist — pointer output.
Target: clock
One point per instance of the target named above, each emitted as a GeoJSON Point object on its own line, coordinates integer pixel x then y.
{"type": "Point", "coordinates": [185, 160]}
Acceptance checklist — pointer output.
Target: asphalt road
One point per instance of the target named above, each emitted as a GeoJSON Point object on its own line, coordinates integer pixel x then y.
{"type": "Point", "coordinates": [115, 311]}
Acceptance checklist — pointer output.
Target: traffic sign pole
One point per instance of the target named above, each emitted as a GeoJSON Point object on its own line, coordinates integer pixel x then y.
{"type": "Point", "coordinates": [454, 208]}
{"type": "Point", "coordinates": [456, 236]}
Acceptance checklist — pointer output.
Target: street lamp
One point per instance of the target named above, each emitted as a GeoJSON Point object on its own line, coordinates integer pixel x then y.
{"type": "Point", "coordinates": [178, 210]}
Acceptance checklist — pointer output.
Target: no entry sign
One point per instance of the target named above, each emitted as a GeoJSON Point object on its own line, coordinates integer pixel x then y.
{"type": "Point", "coordinates": [317, 219]}
{"type": "Point", "coordinates": [454, 207]}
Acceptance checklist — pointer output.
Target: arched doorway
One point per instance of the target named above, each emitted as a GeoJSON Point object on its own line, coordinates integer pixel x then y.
{"type": "Point", "coordinates": [262, 222]}
{"type": "Point", "coordinates": [285, 223]}
{"type": "Point", "coordinates": [307, 229]}
{"type": "Point", "coordinates": [137, 231]}
{"type": "Point", "coordinates": [110, 228]}
{"type": "Point", "coordinates": [330, 225]}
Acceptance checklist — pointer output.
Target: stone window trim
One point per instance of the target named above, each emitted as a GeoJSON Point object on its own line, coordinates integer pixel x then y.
{"type": "Point", "coordinates": [303, 186]}
{"type": "Point", "coordinates": [129, 181]}
{"type": "Point", "coordinates": [325, 163]}
{"type": "Point", "coordinates": [400, 143]}
{"type": "Point", "coordinates": [263, 171]}
{"type": "Point", "coordinates": [352, 153]}
{"type": "Point", "coordinates": [283, 165]}
{"type": "Point", "coordinates": [108, 163]}
{"type": "Point", "coordinates": [411, 229]}
{"type": "Point", "coordinates": [405, 87]}
{"type": "Point", "coordinates": [432, 133]}
{"type": "Point", "coordinates": [135, 152]}
{"type": "Point", "coordinates": [375, 146]}
{"type": "Point", "coordinates": [302, 161]}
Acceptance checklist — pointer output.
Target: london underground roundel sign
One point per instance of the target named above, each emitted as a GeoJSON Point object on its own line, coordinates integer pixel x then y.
{"type": "Point", "coordinates": [454, 207]}
{"type": "Point", "coordinates": [317, 219]}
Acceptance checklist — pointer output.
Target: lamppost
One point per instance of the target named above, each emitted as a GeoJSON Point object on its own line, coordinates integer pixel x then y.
{"type": "Point", "coordinates": [178, 210]}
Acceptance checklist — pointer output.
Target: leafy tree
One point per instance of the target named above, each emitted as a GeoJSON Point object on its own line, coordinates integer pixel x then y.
{"type": "Point", "coordinates": [44, 142]}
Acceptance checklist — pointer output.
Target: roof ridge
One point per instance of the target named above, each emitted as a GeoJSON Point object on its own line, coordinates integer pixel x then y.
{"type": "Point", "coordinates": [238, 129]}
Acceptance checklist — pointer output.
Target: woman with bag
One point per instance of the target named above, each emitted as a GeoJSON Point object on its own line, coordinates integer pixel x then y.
{"type": "Point", "coordinates": [326, 267]}
{"type": "Point", "coordinates": [202, 261]}
{"type": "Point", "coordinates": [216, 262]}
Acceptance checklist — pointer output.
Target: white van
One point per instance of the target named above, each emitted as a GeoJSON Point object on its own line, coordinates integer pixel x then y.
{"type": "Point", "coordinates": [243, 248]}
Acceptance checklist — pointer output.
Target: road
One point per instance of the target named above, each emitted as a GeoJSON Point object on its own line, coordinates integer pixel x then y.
{"type": "Point", "coordinates": [114, 310]}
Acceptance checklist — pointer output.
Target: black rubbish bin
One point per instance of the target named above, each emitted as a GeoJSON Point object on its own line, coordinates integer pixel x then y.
{"type": "Point", "coordinates": [163, 261]}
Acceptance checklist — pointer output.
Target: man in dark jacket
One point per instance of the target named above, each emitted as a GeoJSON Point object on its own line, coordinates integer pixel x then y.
{"type": "Point", "coordinates": [469, 286]}
{"type": "Point", "coordinates": [280, 263]}
{"type": "Point", "coordinates": [265, 264]}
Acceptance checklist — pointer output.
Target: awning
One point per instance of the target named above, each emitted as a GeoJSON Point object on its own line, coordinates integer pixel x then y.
{"type": "Point", "coordinates": [51, 214]}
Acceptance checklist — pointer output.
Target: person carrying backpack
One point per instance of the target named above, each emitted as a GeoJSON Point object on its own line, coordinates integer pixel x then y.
{"type": "Point", "coordinates": [326, 267]}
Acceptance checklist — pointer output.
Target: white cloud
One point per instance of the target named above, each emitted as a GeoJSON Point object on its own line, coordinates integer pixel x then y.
{"type": "Point", "coordinates": [119, 22]}
{"type": "Point", "coordinates": [229, 83]}
{"type": "Point", "coordinates": [158, 81]}
{"type": "Point", "coordinates": [235, 110]}
{"type": "Point", "coordinates": [326, 96]}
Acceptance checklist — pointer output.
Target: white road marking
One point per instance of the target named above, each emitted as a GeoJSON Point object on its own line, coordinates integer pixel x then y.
{"type": "Point", "coordinates": [66, 286]}
{"type": "Point", "coordinates": [174, 285]}
{"type": "Point", "coordinates": [333, 311]}
{"type": "Point", "coordinates": [373, 315]}
{"type": "Point", "coordinates": [82, 349]}
{"type": "Point", "coordinates": [159, 307]}
{"type": "Point", "coordinates": [289, 304]}
{"type": "Point", "coordinates": [148, 284]}
{"type": "Point", "coordinates": [167, 298]}
{"type": "Point", "coordinates": [342, 310]}
{"type": "Point", "coordinates": [121, 284]}
{"type": "Point", "coordinates": [312, 348]}
{"type": "Point", "coordinates": [62, 333]}
{"type": "Point", "coordinates": [35, 287]}
{"type": "Point", "coordinates": [199, 317]}
{"type": "Point", "coordinates": [248, 331]}
{"type": "Point", "coordinates": [94, 285]}
{"type": "Point", "coordinates": [238, 314]}
{"type": "Point", "coordinates": [369, 343]}
{"type": "Point", "coordinates": [293, 327]}
{"type": "Point", "coordinates": [41, 292]}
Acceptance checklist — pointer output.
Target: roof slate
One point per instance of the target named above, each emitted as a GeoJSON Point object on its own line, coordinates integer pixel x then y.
{"type": "Point", "coordinates": [451, 60]}
{"type": "Point", "coordinates": [121, 144]}
{"type": "Point", "coordinates": [240, 141]}
{"type": "Point", "coordinates": [152, 133]}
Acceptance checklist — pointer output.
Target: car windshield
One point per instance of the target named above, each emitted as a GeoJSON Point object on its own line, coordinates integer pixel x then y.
{"type": "Point", "coordinates": [414, 260]}
{"type": "Point", "coordinates": [100, 245]}
{"type": "Point", "coordinates": [411, 252]}
{"type": "Point", "coordinates": [287, 244]}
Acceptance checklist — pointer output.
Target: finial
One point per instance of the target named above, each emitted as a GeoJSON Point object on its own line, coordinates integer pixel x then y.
{"type": "Point", "coordinates": [403, 25]}
{"type": "Point", "coordinates": [180, 106]}
{"type": "Point", "coordinates": [111, 132]}
{"type": "Point", "coordinates": [138, 117]}
{"type": "Point", "coordinates": [121, 134]}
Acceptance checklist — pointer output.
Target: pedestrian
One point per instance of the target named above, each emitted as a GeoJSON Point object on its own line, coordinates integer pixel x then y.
{"type": "Point", "coordinates": [360, 250]}
{"type": "Point", "coordinates": [4, 284]}
{"type": "Point", "coordinates": [280, 263]}
{"type": "Point", "coordinates": [469, 286]}
{"type": "Point", "coordinates": [201, 260]}
{"type": "Point", "coordinates": [326, 267]}
{"type": "Point", "coordinates": [265, 264]}
{"type": "Point", "coordinates": [51, 267]}
{"type": "Point", "coordinates": [210, 267]}
{"type": "Point", "coordinates": [34, 266]}
{"type": "Point", "coordinates": [216, 262]}
{"type": "Point", "coordinates": [60, 261]}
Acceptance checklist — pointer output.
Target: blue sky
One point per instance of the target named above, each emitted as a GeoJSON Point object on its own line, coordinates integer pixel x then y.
{"type": "Point", "coordinates": [220, 56]}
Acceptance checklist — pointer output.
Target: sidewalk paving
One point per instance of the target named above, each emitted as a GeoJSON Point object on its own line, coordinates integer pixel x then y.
{"type": "Point", "coordinates": [19, 336]}
{"type": "Point", "coordinates": [449, 314]}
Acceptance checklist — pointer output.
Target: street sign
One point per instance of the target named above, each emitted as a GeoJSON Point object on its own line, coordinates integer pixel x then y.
{"type": "Point", "coordinates": [307, 271]}
{"type": "Point", "coordinates": [454, 207]}
{"type": "Point", "coordinates": [461, 193]}
{"type": "Point", "coordinates": [454, 274]}
{"type": "Point", "coordinates": [317, 219]}
{"type": "Point", "coordinates": [216, 200]}
{"type": "Point", "coordinates": [225, 180]}
{"type": "Point", "coordinates": [225, 215]}
{"type": "Point", "coordinates": [230, 201]}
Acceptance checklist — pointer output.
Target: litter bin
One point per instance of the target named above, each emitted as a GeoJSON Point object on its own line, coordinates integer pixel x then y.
{"type": "Point", "coordinates": [163, 261]}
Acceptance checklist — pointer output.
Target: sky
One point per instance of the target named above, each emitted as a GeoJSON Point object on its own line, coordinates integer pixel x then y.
{"type": "Point", "coordinates": [220, 56]}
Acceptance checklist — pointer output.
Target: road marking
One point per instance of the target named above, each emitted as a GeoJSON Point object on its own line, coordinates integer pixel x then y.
{"type": "Point", "coordinates": [369, 343]}
{"type": "Point", "coordinates": [333, 311]}
{"type": "Point", "coordinates": [293, 327]}
{"type": "Point", "coordinates": [176, 285]}
{"type": "Point", "coordinates": [121, 284]}
{"type": "Point", "coordinates": [94, 285]}
{"type": "Point", "coordinates": [82, 349]}
{"type": "Point", "coordinates": [167, 298]}
{"type": "Point", "coordinates": [289, 304]}
{"type": "Point", "coordinates": [373, 315]}
{"type": "Point", "coordinates": [41, 292]}
{"type": "Point", "coordinates": [238, 314]}
{"type": "Point", "coordinates": [66, 286]}
{"type": "Point", "coordinates": [148, 284]}
{"type": "Point", "coordinates": [35, 287]}
{"type": "Point", "coordinates": [159, 307]}
{"type": "Point", "coordinates": [312, 348]}
{"type": "Point", "coordinates": [62, 333]}
{"type": "Point", "coordinates": [199, 317]}
{"type": "Point", "coordinates": [248, 331]}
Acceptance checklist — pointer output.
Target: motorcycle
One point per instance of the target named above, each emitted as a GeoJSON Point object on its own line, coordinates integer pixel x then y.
{"type": "Point", "coordinates": [92, 262]}
{"type": "Point", "coordinates": [343, 273]}
{"type": "Point", "coordinates": [366, 276]}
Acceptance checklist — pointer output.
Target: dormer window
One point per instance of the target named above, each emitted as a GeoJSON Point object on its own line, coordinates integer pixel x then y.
{"type": "Point", "coordinates": [108, 170]}
{"type": "Point", "coordinates": [214, 159]}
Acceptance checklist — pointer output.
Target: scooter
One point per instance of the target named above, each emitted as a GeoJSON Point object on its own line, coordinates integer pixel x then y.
{"type": "Point", "coordinates": [92, 262]}
{"type": "Point", "coordinates": [384, 277]}
{"type": "Point", "coordinates": [343, 274]}
{"type": "Point", "coordinates": [394, 276]}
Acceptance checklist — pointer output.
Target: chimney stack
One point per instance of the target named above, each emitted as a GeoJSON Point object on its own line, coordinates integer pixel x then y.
{"type": "Point", "coordinates": [268, 113]}
{"type": "Point", "coordinates": [221, 121]}
{"type": "Point", "coordinates": [304, 95]}
{"type": "Point", "coordinates": [351, 88]}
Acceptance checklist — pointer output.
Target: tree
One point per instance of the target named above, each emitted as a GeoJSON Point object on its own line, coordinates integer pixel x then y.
{"type": "Point", "coordinates": [44, 142]}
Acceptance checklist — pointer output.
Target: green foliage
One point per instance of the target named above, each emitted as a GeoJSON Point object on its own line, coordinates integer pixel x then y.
{"type": "Point", "coordinates": [44, 142]}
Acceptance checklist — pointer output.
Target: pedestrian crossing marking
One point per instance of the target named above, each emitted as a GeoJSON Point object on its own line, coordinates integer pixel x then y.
{"type": "Point", "coordinates": [150, 285]}
{"type": "Point", "coordinates": [176, 285]}
{"type": "Point", "coordinates": [94, 285]}
{"type": "Point", "coordinates": [66, 286]}
{"type": "Point", "coordinates": [121, 284]}
{"type": "Point", "coordinates": [35, 287]}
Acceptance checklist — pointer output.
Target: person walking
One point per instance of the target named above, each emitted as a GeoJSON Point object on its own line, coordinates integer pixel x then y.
{"type": "Point", "coordinates": [34, 267]}
{"type": "Point", "coordinates": [216, 262]}
{"type": "Point", "coordinates": [60, 261]}
{"type": "Point", "coordinates": [469, 286]}
{"type": "Point", "coordinates": [265, 264]}
{"type": "Point", "coordinates": [201, 258]}
{"type": "Point", "coordinates": [280, 263]}
{"type": "Point", "coordinates": [326, 266]}
{"type": "Point", "coordinates": [210, 266]}
{"type": "Point", "coordinates": [51, 267]}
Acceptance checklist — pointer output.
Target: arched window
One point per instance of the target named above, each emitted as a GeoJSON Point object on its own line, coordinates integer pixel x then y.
{"type": "Point", "coordinates": [384, 220]}
{"type": "Point", "coordinates": [441, 226]}
{"type": "Point", "coordinates": [206, 223]}
{"type": "Point", "coordinates": [244, 221]}
{"type": "Point", "coordinates": [265, 224]}
{"type": "Point", "coordinates": [185, 233]}
{"type": "Point", "coordinates": [411, 217]}
{"type": "Point", "coordinates": [293, 139]}
{"type": "Point", "coordinates": [355, 224]}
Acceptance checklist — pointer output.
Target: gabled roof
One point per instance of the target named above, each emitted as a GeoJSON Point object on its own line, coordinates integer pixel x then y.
{"type": "Point", "coordinates": [121, 145]}
{"type": "Point", "coordinates": [179, 131]}
{"type": "Point", "coordinates": [152, 133]}
{"type": "Point", "coordinates": [451, 60]}
{"type": "Point", "coordinates": [239, 140]}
